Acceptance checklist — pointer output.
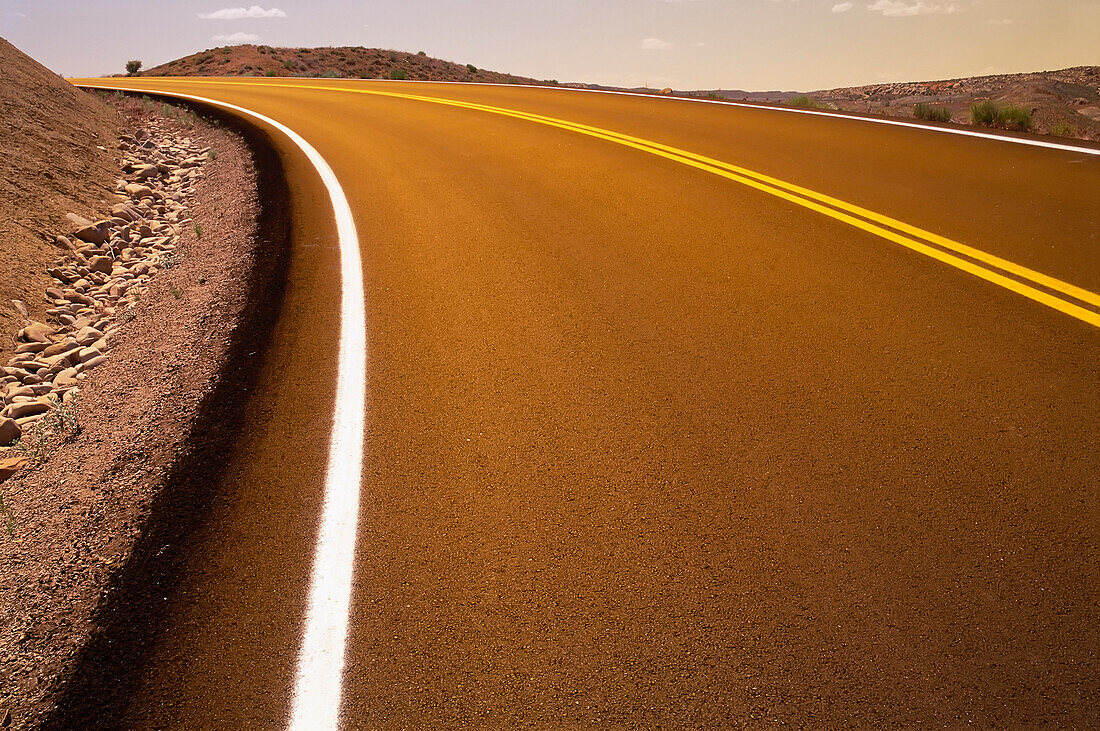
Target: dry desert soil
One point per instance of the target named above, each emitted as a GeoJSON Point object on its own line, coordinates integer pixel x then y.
{"type": "Point", "coordinates": [111, 474]}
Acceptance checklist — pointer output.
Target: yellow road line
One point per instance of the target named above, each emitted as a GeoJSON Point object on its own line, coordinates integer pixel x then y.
{"type": "Point", "coordinates": [848, 213]}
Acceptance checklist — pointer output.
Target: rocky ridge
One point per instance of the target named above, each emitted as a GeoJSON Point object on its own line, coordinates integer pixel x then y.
{"type": "Point", "coordinates": [1065, 102]}
{"type": "Point", "coordinates": [105, 268]}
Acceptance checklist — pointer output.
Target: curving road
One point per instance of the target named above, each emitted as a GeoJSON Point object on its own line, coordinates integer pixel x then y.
{"type": "Point", "coordinates": [678, 415]}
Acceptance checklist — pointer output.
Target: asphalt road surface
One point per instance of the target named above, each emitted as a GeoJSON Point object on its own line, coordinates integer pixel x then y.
{"type": "Point", "coordinates": [651, 446]}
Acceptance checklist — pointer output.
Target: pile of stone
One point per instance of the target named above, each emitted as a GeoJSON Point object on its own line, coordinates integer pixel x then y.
{"type": "Point", "coordinates": [105, 269]}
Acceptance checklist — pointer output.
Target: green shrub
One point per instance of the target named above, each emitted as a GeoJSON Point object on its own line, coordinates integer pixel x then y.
{"type": "Point", "coordinates": [806, 102]}
{"type": "Point", "coordinates": [421, 53]}
{"type": "Point", "coordinates": [932, 114]}
{"type": "Point", "coordinates": [270, 72]}
{"type": "Point", "coordinates": [989, 114]}
{"type": "Point", "coordinates": [398, 75]}
{"type": "Point", "coordinates": [984, 113]}
{"type": "Point", "coordinates": [471, 68]}
{"type": "Point", "coordinates": [288, 64]}
{"type": "Point", "coordinates": [1015, 118]}
{"type": "Point", "coordinates": [330, 74]}
{"type": "Point", "coordinates": [1062, 130]}
{"type": "Point", "coordinates": [132, 67]}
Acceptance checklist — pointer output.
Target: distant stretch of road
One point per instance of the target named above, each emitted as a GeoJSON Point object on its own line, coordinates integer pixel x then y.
{"type": "Point", "coordinates": [610, 411]}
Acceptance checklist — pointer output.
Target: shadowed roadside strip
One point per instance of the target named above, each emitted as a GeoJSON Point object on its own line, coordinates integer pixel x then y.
{"type": "Point", "coordinates": [316, 697]}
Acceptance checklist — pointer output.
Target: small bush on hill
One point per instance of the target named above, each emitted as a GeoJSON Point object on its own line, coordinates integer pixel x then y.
{"type": "Point", "coordinates": [984, 113]}
{"type": "Point", "coordinates": [132, 67]}
{"type": "Point", "coordinates": [988, 114]}
{"type": "Point", "coordinates": [932, 114]}
{"type": "Point", "coordinates": [398, 75]}
{"type": "Point", "coordinates": [270, 72]}
{"type": "Point", "coordinates": [1015, 118]}
{"type": "Point", "coordinates": [806, 102]}
{"type": "Point", "coordinates": [471, 68]}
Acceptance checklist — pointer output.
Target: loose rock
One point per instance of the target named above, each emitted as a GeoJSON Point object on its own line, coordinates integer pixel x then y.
{"type": "Point", "coordinates": [10, 465]}
{"type": "Point", "coordinates": [9, 431]}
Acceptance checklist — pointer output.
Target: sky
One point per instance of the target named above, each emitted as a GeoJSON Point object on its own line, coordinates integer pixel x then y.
{"type": "Point", "coordinates": [755, 45]}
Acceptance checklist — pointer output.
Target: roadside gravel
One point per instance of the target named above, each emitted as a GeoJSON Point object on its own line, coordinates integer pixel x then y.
{"type": "Point", "coordinates": [163, 302]}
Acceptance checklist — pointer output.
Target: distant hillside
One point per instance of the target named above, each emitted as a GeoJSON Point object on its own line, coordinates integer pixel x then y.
{"type": "Point", "coordinates": [347, 62]}
{"type": "Point", "coordinates": [1065, 102]}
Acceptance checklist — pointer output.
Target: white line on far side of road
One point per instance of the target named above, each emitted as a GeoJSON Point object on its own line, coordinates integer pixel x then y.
{"type": "Point", "coordinates": [317, 686]}
{"type": "Point", "coordinates": [1064, 146]}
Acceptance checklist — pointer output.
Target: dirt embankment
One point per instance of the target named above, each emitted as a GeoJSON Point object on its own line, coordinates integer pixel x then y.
{"type": "Point", "coordinates": [349, 62]}
{"type": "Point", "coordinates": [107, 490]}
{"type": "Point", "coordinates": [57, 155]}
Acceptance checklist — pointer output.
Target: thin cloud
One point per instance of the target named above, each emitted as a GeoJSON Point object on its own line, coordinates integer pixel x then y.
{"type": "Point", "coordinates": [655, 44]}
{"type": "Point", "coordinates": [907, 8]}
{"type": "Point", "coordinates": [843, 7]}
{"type": "Point", "coordinates": [235, 38]}
{"type": "Point", "coordinates": [239, 13]}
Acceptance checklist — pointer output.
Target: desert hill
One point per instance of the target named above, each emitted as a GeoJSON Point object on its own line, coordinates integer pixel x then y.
{"type": "Point", "coordinates": [349, 62]}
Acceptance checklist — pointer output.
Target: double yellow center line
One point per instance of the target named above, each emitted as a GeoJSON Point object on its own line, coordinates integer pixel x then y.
{"type": "Point", "coordinates": [1054, 293]}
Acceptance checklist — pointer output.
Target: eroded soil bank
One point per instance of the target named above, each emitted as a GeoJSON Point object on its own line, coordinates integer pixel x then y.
{"type": "Point", "coordinates": [97, 516]}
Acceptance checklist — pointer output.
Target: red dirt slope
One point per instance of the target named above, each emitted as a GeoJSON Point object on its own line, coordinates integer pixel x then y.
{"type": "Point", "coordinates": [57, 153]}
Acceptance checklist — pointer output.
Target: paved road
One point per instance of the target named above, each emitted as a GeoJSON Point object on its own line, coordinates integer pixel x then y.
{"type": "Point", "coordinates": [651, 447]}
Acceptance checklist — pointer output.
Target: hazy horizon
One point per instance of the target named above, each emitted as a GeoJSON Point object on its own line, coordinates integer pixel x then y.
{"type": "Point", "coordinates": [755, 45]}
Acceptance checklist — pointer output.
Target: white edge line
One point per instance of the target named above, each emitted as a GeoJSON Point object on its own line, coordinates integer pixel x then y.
{"type": "Point", "coordinates": [316, 699]}
{"type": "Point", "coordinates": [790, 110]}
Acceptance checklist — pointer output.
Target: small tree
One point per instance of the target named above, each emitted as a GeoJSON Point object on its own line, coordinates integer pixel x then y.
{"type": "Point", "coordinates": [132, 67]}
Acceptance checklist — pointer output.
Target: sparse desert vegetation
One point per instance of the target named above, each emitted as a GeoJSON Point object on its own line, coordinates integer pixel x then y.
{"type": "Point", "coordinates": [931, 113]}
{"type": "Point", "coordinates": [803, 101]}
{"type": "Point", "coordinates": [989, 114]}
